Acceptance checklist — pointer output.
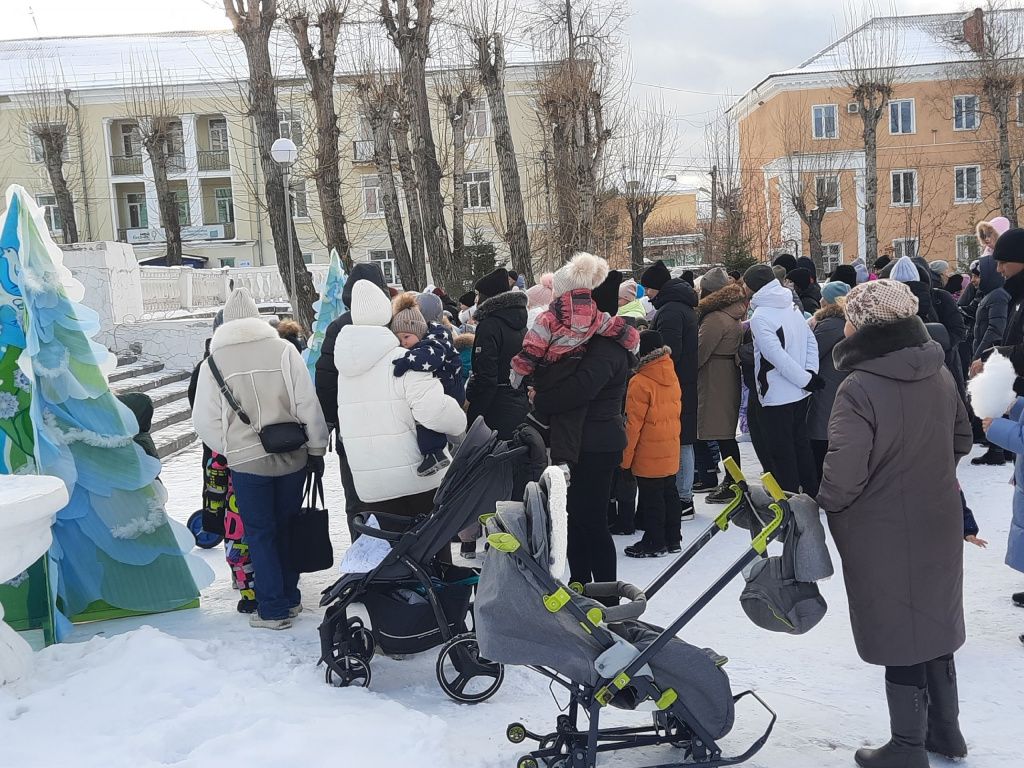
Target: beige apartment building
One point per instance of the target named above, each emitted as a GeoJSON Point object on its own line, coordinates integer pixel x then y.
{"type": "Point", "coordinates": [801, 130]}
{"type": "Point", "coordinates": [215, 169]}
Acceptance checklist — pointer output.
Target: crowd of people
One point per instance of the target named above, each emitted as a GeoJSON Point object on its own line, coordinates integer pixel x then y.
{"type": "Point", "coordinates": [851, 390]}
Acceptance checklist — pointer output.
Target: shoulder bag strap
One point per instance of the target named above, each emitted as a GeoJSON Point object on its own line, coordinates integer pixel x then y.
{"type": "Point", "coordinates": [227, 392]}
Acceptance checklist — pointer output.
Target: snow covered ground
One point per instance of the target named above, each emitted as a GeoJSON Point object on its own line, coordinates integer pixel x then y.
{"type": "Point", "coordinates": [201, 689]}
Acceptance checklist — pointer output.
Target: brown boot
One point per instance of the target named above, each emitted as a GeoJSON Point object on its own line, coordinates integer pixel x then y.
{"type": "Point", "coordinates": [908, 720]}
{"type": "Point", "coordinates": [944, 736]}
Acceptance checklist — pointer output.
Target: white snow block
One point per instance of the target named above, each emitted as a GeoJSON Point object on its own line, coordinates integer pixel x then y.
{"type": "Point", "coordinates": [28, 505]}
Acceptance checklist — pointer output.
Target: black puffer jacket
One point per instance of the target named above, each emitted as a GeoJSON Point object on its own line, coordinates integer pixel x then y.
{"type": "Point", "coordinates": [676, 321]}
{"type": "Point", "coordinates": [599, 383]}
{"type": "Point", "coordinates": [992, 310]}
{"type": "Point", "coordinates": [501, 326]}
{"type": "Point", "coordinates": [326, 370]}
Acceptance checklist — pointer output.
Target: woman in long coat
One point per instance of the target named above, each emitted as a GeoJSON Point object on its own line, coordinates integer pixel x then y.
{"type": "Point", "coordinates": [898, 430]}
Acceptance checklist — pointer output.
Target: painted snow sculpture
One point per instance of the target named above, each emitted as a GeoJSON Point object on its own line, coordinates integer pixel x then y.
{"type": "Point", "coordinates": [114, 551]}
{"type": "Point", "coordinates": [328, 308]}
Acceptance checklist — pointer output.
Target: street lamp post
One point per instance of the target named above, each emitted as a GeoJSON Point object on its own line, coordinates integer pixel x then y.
{"type": "Point", "coordinates": [284, 153]}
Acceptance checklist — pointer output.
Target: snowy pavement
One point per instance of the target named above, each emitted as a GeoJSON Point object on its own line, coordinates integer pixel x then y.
{"type": "Point", "coordinates": [201, 689]}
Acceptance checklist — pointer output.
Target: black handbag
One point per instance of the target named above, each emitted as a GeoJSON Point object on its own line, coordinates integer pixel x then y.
{"type": "Point", "coordinates": [284, 437]}
{"type": "Point", "coordinates": [309, 537]}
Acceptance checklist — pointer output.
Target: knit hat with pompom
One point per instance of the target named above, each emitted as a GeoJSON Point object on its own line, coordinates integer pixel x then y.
{"type": "Point", "coordinates": [407, 317]}
{"type": "Point", "coordinates": [584, 271]}
{"type": "Point", "coordinates": [541, 294]}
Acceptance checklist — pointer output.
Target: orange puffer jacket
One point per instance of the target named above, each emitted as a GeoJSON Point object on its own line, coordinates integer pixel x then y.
{"type": "Point", "coordinates": [653, 404]}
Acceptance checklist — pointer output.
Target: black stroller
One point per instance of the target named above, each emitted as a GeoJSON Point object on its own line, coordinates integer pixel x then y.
{"type": "Point", "coordinates": [605, 656]}
{"type": "Point", "coordinates": [414, 600]}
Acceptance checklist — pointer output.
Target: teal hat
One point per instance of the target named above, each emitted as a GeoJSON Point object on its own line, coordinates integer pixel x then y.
{"type": "Point", "coordinates": [832, 292]}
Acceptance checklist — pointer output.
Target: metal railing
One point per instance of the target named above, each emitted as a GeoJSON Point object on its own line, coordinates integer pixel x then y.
{"type": "Point", "coordinates": [176, 163]}
{"type": "Point", "coordinates": [213, 160]}
{"type": "Point", "coordinates": [126, 165]}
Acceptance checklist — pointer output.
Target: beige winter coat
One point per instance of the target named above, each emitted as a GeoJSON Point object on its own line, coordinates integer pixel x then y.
{"type": "Point", "coordinates": [269, 380]}
{"type": "Point", "coordinates": [718, 377]}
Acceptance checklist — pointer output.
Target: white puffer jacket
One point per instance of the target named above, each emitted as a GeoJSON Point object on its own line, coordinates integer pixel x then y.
{"type": "Point", "coordinates": [785, 350]}
{"type": "Point", "coordinates": [378, 413]}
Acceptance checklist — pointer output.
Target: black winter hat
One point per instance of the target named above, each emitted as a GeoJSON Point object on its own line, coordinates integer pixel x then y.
{"type": "Point", "coordinates": [805, 262]}
{"type": "Point", "coordinates": [758, 276]}
{"type": "Point", "coordinates": [801, 278]}
{"type": "Point", "coordinates": [655, 276]}
{"type": "Point", "coordinates": [493, 283]}
{"type": "Point", "coordinates": [1010, 246]}
{"type": "Point", "coordinates": [650, 341]}
{"type": "Point", "coordinates": [881, 263]}
{"type": "Point", "coordinates": [847, 274]}
{"type": "Point", "coordinates": [735, 274]}
{"type": "Point", "coordinates": [689, 277]}
{"type": "Point", "coordinates": [786, 261]}
{"type": "Point", "coordinates": [606, 295]}
{"type": "Point", "coordinates": [467, 299]}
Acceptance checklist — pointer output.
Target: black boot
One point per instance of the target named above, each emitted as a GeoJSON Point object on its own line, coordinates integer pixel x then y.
{"type": "Point", "coordinates": [944, 736]}
{"type": "Point", "coordinates": [908, 721]}
{"type": "Point", "coordinates": [993, 457]}
{"type": "Point", "coordinates": [1018, 599]}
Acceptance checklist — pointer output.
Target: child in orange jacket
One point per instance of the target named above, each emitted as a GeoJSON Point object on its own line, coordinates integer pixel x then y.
{"type": "Point", "coordinates": [653, 403]}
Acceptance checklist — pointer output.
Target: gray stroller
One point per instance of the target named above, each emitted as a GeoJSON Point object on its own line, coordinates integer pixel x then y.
{"type": "Point", "coordinates": [605, 655]}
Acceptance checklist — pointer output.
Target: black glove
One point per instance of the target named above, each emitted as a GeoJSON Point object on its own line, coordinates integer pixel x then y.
{"type": "Point", "coordinates": [315, 466]}
{"type": "Point", "coordinates": [815, 383]}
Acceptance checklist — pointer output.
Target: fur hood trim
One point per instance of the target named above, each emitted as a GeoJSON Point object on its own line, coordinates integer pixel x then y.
{"type": "Point", "coordinates": [722, 299]}
{"type": "Point", "coordinates": [654, 354]}
{"type": "Point", "coordinates": [242, 332]}
{"type": "Point", "coordinates": [501, 301]}
{"type": "Point", "coordinates": [464, 341]}
{"type": "Point", "coordinates": [830, 310]}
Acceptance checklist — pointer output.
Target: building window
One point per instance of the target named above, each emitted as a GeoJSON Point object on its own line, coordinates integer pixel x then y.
{"type": "Point", "coordinates": [36, 153]}
{"type": "Point", "coordinates": [131, 140]}
{"type": "Point", "coordinates": [229, 263]}
{"type": "Point", "coordinates": [385, 259]}
{"type": "Point", "coordinates": [373, 204]}
{"type": "Point", "coordinates": [51, 213]}
{"type": "Point", "coordinates": [218, 134]}
{"type": "Point", "coordinates": [138, 216]}
{"type": "Point", "coordinates": [184, 214]}
{"type": "Point", "coordinates": [289, 126]}
{"type": "Point", "coordinates": [300, 203]}
{"type": "Point", "coordinates": [906, 246]}
{"type": "Point", "coordinates": [901, 116]}
{"type": "Point", "coordinates": [965, 113]}
{"type": "Point", "coordinates": [826, 121]}
{"type": "Point", "coordinates": [831, 257]}
{"type": "Point", "coordinates": [966, 250]}
{"type": "Point", "coordinates": [307, 258]}
{"type": "Point", "coordinates": [826, 192]}
{"type": "Point", "coordinates": [904, 187]}
{"type": "Point", "coordinates": [968, 184]}
{"type": "Point", "coordinates": [225, 203]}
{"type": "Point", "coordinates": [478, 120]}
{"type": "Point", "coordinates": [478, 190]}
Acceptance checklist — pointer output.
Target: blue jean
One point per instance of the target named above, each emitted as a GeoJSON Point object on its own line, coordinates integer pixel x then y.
{"type": "Point", "coordinates": [265, 504]}
{"type": "Point", "coordinates": [684, 477]}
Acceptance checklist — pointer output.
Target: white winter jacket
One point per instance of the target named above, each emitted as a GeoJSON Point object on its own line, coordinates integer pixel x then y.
{"type": "Point", "coordinates": [378, 413]}
{"type": "Point", "coordinates": [268, 378]}
{"type": "Point", "coordinates": [785, 350]}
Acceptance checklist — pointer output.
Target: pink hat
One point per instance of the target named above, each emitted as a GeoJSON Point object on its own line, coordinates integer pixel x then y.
{"type": "Point", "coordinates": [541, 294]}
{"type": "Point", "coordinates": [1000, 224]}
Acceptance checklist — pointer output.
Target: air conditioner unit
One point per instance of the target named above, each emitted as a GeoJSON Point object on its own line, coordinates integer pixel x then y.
{"type": "Point", "coordinates": [852, 108]}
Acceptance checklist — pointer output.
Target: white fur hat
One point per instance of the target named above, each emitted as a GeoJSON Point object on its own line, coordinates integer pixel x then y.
{"type": "Point", "coordinates": [370, 305]}
{"type": "Point", "coordinates": [584, 270]}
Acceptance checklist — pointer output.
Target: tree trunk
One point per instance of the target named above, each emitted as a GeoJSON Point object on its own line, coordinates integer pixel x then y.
{"type": "Point", "coordinates": [457, 116]}
{"type": "Point", "coordinates": [263, 108]}
{"type": "Point", "coordinates": [320, 74]}
{"type": "Point", "coordinates": [870, 115]}
{"type": "Point", "coordinates": [412, 203]}
{"type": "Point", "coordinates": [53, 150]}
{"type": "Point", "coordinates": [492, 76]}
{"type": "Point", "coordinates": [637, 220]}
{"type": "Point", "coordinates": [156, 148]}
{"type": "Point", "coordinates": [814, 220]}
{"type": "Point", "coordinates": [1007, 196]}
{"type": "Point", "coordinates": [380, 123]}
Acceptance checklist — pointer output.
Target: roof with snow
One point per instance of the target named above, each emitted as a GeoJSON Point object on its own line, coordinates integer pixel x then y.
{"type": "Point", "coordinates": [190, 57]}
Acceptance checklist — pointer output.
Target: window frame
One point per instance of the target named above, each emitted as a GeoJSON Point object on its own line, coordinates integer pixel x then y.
{"type": "Point", "coordinates": [184, 211]}
{"type": "Point", "coordinates": [972, 239]}
{"type": "Point", "coordinates": [824, 256]}
{"type": "Point", "coordinates": [230, 200]}
{"type": "Point", "coordinates": [287, 120]}
{"type": "Point", "coordinates": [298, 190]}
{"type": "Point", "coordinates": [902, 241]}
{"type": "Point", "coordinates": [480, 107]}
{"type": "Point", "coordinates": [364, 187]}
{"type": "Point", "coordinates": [913, 117]}
{"type": "Point", "coordinates": [470, 183]}
{"type": "Point", "coordinates": [142, 207]}
{"type": "Point", "coordinates": [210, 132]}
{"type": "Point", "coordinates": [901, 171]}
{"type": "Point", "coordinates": [976, 112]}
{"type": "Point", "coordinates": [51, 213]}
{"type": "Point", "coordinates": [134, 137]}
{"type": "Point", "coordinates": [835, 122]}
{"type": "Point", "coordinates": [839, 191]}
{"type": "Point", "coordinates": [36, 155]}
{"type": "Point", "coordinates": [977, 181]}
{"type": "Point", "coordinates": [386, 263]}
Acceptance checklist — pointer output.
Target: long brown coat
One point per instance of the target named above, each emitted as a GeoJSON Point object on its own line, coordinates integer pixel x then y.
{"type": "Point", "coordinates": [718, 377]}
{"type": "Point", "coordinates": [898, 430]}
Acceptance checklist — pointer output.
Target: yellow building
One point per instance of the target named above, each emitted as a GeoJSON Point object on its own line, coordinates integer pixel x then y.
{"type": "Point", "coordinates": [215, 169]}
{"type": "Point", "coordinates": [801, 131]}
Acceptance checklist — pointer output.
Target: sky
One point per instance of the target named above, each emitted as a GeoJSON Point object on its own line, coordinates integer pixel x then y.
{"type": "Point", "coordinates": [694, 55]}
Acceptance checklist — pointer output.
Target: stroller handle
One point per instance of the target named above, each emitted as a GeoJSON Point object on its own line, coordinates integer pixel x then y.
{"type": "Point", "coordinates": [634, 609]}
{"type": "Point", "coordinates": [359, 524]}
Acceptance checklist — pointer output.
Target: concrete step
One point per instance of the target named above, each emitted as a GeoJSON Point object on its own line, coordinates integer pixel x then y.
{"type": "Point", "coordinates": [150, 381]}
{"type": "Point", "coordinates": [175, 437]}
{"type": "Point", "coordinates": [170, 414]}
{"type": "Point", "coordinates": [126, 358]}
{"type": "Point", "coordinates": [134, 370]}
{"type": "Point", "coordinates": [169, 393]}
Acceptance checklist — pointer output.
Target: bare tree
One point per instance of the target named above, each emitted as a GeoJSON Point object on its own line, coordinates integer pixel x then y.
{"type": "Point", "coordinates": [400, 130]}
{"type": "Point", "coordinates": [253, 22]}
{"type": "Point", "coordinates": [408, 25]}
{"type": "Point", "coordinates": [873, 50]}
{"type": "Point", "coordinates": [733, 221]}
{"type": "Point", "coordinates": [642, 150]}
{"type": "Point", "coordinates": [488, 22]}
{"type": "Point", "coordinates": [154, 106]}
{"type": "Point", "coordinates": [455, 89]}
{"type": "Point", "coordinates": [49, 122]}
{"type": "Point", "coordinates": [316, 26]}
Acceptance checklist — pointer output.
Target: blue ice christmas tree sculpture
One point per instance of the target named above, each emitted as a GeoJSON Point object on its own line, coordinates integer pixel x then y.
{"type": "Point", "coordinates": [114, 550]}
{"type": "Point", "coordinates": [327, 310]}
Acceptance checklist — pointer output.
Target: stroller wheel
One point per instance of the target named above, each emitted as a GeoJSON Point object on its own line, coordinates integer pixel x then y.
{"type": "Point", "coordinates": [526, 762]}
{"type": "Point", "coordinates": [204, 539]}
{"type": "Point", "coordinates": [516, 733]}
{"type": "Point", "coordinates": [463, 675]}
{"type": "Point", "coordinates": [348, 670]}
{"type": "Point", "coordinates": [363, 644]}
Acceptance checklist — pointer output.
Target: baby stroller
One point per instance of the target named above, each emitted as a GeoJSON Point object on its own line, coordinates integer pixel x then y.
{"type": "Point", "coordinates": [414, 600]}
{"type": "Point", "coordinates": [605, 655]}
